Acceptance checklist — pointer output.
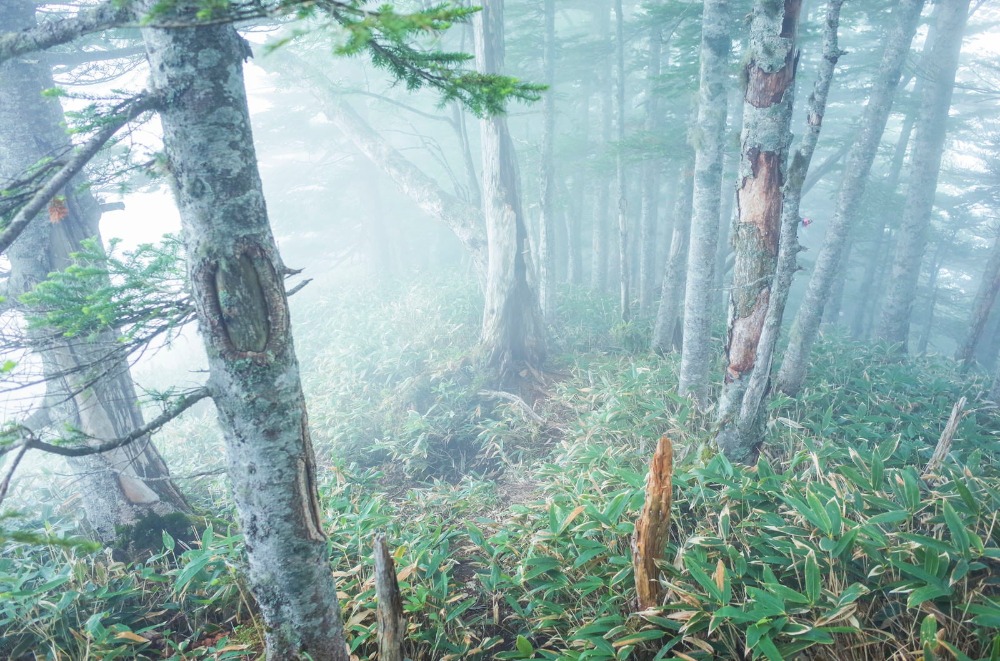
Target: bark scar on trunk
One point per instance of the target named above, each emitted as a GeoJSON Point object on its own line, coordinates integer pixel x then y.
{"type": "Point", "coordinates": [307, 486]}
{"type": "Point", "coordinates": [246, 315]}
{"type": "Point", "coordinates": [759, 205]}
{"type": "Point", "coordinates": [742, 349]}
{"type": "Point", "coordinates": [766, 88]}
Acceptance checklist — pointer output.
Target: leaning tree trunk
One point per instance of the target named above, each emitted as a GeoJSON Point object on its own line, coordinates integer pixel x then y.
{"type": "Point", "coordinates": [513, 333]}
{"type": "Point", "coordinates": [547, 182]}
{"type": "Point", "coordinates": [925, 165]}
{"type": "Point", "coordinates": [767, 113]}
{"type": "Point", "coordinates": [982, 305]}
{"type": "Point", "coordinates": [89, 377]}
{"type": "Point", "coordinates": [237, 285]}
{"type": "Point", "coordinates": [859, 162]}
{"type": "Point", "coordinates": [716, 44]}
{"type": "Point", "coordinates": [650, 177]}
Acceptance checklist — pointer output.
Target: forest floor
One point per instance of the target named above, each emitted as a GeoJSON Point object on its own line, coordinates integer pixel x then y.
{"type": "Point", "coordinates": [511, 523]}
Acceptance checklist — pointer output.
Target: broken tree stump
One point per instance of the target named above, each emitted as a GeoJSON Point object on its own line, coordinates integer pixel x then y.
{"type": "Point", "coordinates": [391, 623]}
{"type": "Point", "coordinates": [943, 446]}
{"type": "Point", "coordinates": [650, 538]}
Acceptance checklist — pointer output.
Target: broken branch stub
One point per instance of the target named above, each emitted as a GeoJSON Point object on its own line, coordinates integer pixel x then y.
{"type": "Point", "coordinates": [653, 526]}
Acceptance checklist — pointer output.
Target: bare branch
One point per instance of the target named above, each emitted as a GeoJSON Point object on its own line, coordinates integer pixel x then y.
{"type": "Point", "coordinates": [32, 442]}
{"type": "Point", "coordinates": [108, 14]}
{"type": "Point", "coordinates": [128, 111]}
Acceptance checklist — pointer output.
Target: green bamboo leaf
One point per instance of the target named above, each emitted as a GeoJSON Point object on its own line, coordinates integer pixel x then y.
{"type": "Point", "coordinates": [813, 580]}
{"type": "Point", "coordinates": [957, 529]}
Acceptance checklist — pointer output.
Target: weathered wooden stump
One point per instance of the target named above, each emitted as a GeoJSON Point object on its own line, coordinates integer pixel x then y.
{"type": "Point", "coordinates": [650, 539]}
{"type": "Point", "coordinates": [391, 623]}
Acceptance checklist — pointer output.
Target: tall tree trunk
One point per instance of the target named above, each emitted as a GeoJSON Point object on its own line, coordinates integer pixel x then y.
{"type": "Point", "coordinates": [731, 163]}
{"type": "Point", "coordinates": [859, 162]}
{"type": "Point", "coordinates": [599, 243]}
{"type": "Point", "coordinates": [765, 140]}
{"type": "Point", "coordinates": [90, 377]}
{"type": "Point", "coordinates": [668, 315]}
{"type": "Point", "coordinates": [513, 334]}
{"type": "Point", "coordinates": [931, 128]}
{"type": "Point", "coordinates": [547, 185]}
{"type": "Point", "coordinates": [624, 295]}
{"type": "Point", "coordinates": [982, 305]}
{"type": "Point", "coordinates": [237, 285]}
{"type": "Point", "coordinates": [651, 177]}
{"type": "Point", "coordinates": [716, 44]}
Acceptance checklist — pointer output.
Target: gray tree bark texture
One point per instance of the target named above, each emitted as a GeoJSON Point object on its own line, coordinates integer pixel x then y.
{"type": "Point", "coordinates": [624, 275]}
{"type": "Point", "coordinates": [770, 71]}
{"type": "Point", "coordinates": [982, 305]}
{"type": "Point", "coordinates": [650, 178]}
{"type": "Point", "coordinates": [710, 136]}
{"type": "Point", "coordinates": [513, 332]}
{"type": "Point", "coordinates": [89, 378]}
{"type": "Point", "coordinates": [238, 290]}
{"type": "Point", "coordinates": [859, 162]}
{"type": "Point", "coordinates": [668, 314]}
{"type": "Point", "coordinates": [547, 183]}
{"type": "Point", "coordinates": [599, 232]}
{"type": "Point", "coordinates": [925, 164]}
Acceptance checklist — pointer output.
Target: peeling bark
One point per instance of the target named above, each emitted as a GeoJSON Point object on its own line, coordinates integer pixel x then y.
{"type": "Point", "coordinates": [765, 139]}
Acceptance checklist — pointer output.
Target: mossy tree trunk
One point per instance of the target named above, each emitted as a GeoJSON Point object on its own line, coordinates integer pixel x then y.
{"type": "Point", "coordinates": [237, 285]}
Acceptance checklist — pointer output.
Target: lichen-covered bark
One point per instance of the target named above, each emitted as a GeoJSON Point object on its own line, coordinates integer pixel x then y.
{"type": "Point", "coordinates": [710, 129]}
{"type": "Point", "coordinates": [925, 164]}
{"type": "Point", "coordinates": [512, 332]}
{"type": "Point", "coordinates": [859, 163]}
{"type": "Point", "coordinates": [90, 379]}
{"type": "Point", "coordinates": [237, 287]}
{"type": "Point", "coordinates": [669, 314]}
{"type": "Point", "coordinates": [767, 113]}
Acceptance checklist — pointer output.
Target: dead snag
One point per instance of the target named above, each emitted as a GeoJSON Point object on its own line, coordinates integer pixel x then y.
{"type": "Point", "coordinates": [944, 443]}
{"type": "Point", "coordinates": [391, 623]}
{"type": "Point", "coordinates": [650, 538]}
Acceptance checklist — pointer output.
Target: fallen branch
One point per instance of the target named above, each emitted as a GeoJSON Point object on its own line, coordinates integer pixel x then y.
{"type": "Point", "coordinates": [517, 400]}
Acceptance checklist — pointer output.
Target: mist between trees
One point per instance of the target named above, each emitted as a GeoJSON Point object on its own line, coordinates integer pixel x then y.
{"type": "Point", "coordinates": [446, 276]}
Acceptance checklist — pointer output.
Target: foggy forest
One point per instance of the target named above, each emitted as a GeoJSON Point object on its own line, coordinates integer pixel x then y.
{"type": "Point", "coordinates": [333, 330]}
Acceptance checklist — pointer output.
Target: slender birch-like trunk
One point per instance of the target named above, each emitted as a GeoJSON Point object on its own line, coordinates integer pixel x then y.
{"type": "Point", "coordinates": [710, 129]}
{"type": "Point", "coordinates": [237, 285]}
{"type": "Point", "coordinates": [925, 165]}
{"type": "Point", "coordinates": [650, 178]}
{"type": "Point", "coordinates": [513, 332]}
{"type": "Point", "coordinates": [89, 377]}
{"type": "Point", "coordinates": [599, 243]}
{"type": "Point", "coordinates": [547, 184]}
{"type": "Point", "coordinates": [859, 163]}
{"type": "Point", "coordinates": [624, 274]}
